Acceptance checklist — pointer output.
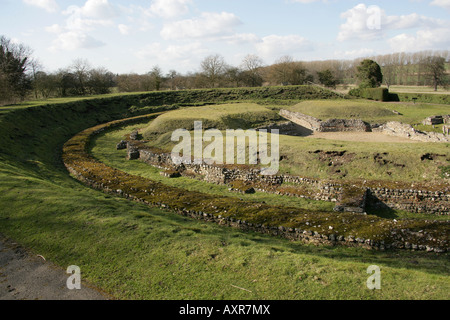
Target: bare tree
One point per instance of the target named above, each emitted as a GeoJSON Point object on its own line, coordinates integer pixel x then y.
{"type": "Point", "coordinates": [81, 69]}
{"type": "Point", "coordinates": [435, 68]}
{"type": "Point", "coordinates": [100, 81]}
{"type": "Point", "coordinates": [281, 70]}
{"type": "Point", "coordinates": [251, 65]}
{"type": "Point", "coordinates": [35, 68]}
{"type": "Point", "coordinates": [213, 67]}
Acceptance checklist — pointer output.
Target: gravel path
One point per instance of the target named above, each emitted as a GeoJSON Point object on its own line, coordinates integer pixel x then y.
{"type": "Point", "coordinates": [24, 276]}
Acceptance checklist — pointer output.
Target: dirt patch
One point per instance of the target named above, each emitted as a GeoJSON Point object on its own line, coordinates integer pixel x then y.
{"type": "Point", "coordinates": [431, 156]}
{"type": "Point", "coordinates": [335, 159]}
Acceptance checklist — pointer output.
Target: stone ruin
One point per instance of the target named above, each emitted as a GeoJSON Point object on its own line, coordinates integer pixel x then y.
{"type": "Point", "coordinates": [347, 198]}
{"type": "Point", "coordinates": [393, 128]}
{"type": "Point", "coordinates": [435, 120]}
{"type": "Point", "coordinates": [398, 129]}
{"type": "Point", "coordinates": [330, 125]}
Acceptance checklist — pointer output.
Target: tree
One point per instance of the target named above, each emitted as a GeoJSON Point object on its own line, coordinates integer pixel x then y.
{"type": "Point", "coordinates": [128, 82]}
{"type": "Point", "coordinates": [369, 74]}
{"type": "Point", "coordinates": [35, 67]}
{"type": "Point", "coordinates": [213, 67]}
{"type": "Point", "coordinates": [80, 69]}
{"type": "Point", "coordinates": [68, 83]}
{"type": "Point", "coordinates": [326, 77]}
{"type": "Point", "coordinates": [100, 81]}
{"type": "Point", "coordinates": [299, 74]}
{"type": "Point", "coordinates": [435, 70]}
{"type": "Point", "coordinates": [251, 66]}
{"type": "Point", "coordinates": [14, 63]}
{"type": "Point", "coordinates": [173, 76]}
{"type": "Point", "coordinates": [281, 71]}
{"type": "Point", "coordinates": [156, 77]}
{"type": "Point", "coordinates": [45, 84]}
{"type": "Point", "coordinates": [234, 76]}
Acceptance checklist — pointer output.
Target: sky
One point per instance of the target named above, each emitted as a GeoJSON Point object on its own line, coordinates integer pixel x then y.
{"type": "Point", "coordinates": [134, 36]}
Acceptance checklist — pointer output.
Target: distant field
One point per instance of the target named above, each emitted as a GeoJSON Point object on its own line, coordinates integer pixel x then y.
{"type": "Point", "coordinates": [416, 89]}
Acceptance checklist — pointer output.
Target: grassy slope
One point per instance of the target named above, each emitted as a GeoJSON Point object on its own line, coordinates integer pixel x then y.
{"type": "Point", "coordinates": [133, 251]}
{"type": "Point", "coordinates": [227, 116]}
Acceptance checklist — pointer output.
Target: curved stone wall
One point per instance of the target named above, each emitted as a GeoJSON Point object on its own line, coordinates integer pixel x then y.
{"type": "Point", "coordinates": [432, 236]}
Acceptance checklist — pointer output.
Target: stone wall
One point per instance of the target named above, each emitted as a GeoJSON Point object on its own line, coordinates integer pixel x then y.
{"type": "Point", "coordinates": [344, 125]}
{"type": "Point", "coordinates": [398, 129]}
{"type": "Point", "coordinates": [287, 128]}
{"type": "Point", "coordinates": [434, 120]}
{"type": "Point", "coordinates": [301, 119]}
{"type": "Point", "coordinates": [331, 125]}
{"type": "Point", "coordinates": [418, 201]}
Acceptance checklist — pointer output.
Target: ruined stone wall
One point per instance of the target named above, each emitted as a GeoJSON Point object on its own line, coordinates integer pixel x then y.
{"type": "Point", "coordinates": [331, 125]}
{"type": "Point", "coordinates": [343, 125]}
{"type": "Point", "coordinates": [398, 129]}
{"type": "Point", "coordinates": [417, 201]}
{"type": "Point", "coordinates": [301, 119]}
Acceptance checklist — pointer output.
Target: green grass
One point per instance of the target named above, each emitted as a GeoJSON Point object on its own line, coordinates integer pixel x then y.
{"type": "Point", "coordinates": [136, 252]}
{"type": "Point", "coordinates": [418, 89]}
{"type": "Point", "coordinates": [396, 161]}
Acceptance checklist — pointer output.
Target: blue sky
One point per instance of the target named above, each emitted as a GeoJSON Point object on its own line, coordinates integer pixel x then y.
{"type": "Point", "coordinates": [134, 36]}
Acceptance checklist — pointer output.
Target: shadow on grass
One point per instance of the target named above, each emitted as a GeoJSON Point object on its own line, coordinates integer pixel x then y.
{"type": "Point", "coordinates": [419, 261]}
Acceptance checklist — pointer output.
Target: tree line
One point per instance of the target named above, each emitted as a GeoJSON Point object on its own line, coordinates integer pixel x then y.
{"type": "Point", "coordinates": [22, 76]}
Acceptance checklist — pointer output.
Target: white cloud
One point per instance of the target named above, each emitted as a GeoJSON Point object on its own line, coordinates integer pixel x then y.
{"type": "Point", "coordinates": [124, 29]}
{"type": "Point", "coordinates": [169, 8]}
{"type": "Point", "coordinates": [181, 56]}
{"type": "Point", "coordinates": [429, 39]}
{"type": "Point", "coordinates": [93, 13]}
{"type": "Point", "coordinates": [241, 38]}
{"type": "Point", "coordinates": [356, 25]}
{"type": "Point", "coordinates": [274, 46]}
{"type": "Point", "coordinates": [208, 25]}
{"type": "Point", "coordinates": [56, 28]}
{"type": "Point", "coordinates": [372, 23]}
{"type": "Point", "coordinates": [73, 40]}
{"type": "Point", "coordinates": [352, 54]}
{"type": "Point", "coordinates": [94, 9]}
{"type": "Point", "coordinates": [48, 5]}
{"type": "Point", "coordinates": [441, 3]}
{"type": "Point", "coordinates": [79, 21]}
